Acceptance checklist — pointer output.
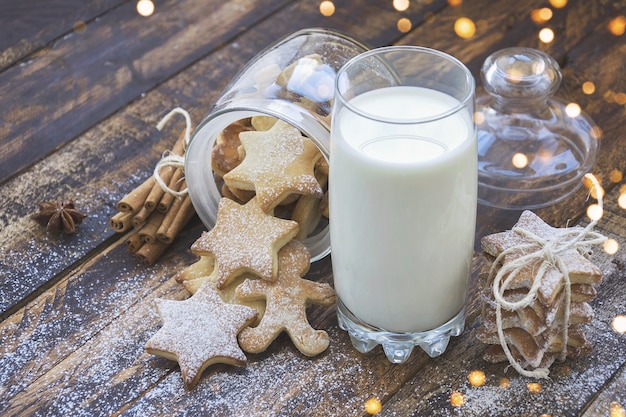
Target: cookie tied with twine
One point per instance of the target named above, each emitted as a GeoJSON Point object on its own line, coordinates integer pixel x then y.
{"type": "Point", "coordinates": [548, 264]}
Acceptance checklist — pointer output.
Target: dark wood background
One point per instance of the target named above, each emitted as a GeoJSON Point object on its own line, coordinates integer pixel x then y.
{"type": "Point", "coordinates": [82, 86]}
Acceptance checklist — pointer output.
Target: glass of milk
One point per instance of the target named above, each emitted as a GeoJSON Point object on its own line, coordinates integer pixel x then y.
{"type": "Point", "coordinates": [403, 196]}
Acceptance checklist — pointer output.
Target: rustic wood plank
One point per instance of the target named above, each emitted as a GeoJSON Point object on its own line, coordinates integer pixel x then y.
{"type": "Point", "coordinates": [611, 398]}
{"type": "Point", "coordinates": [148, 384]}
{"type": "Point", "coordinates": [92, 174]}
{"type": "Point", "coordinates": [65, 317]}
{"type": "Point", "coordinates": [111, 365]}
{"type": "Point", "coordinates": [28, 25]}
{"type": "Point", "coordinates": [79, 77]}
{"type": "Point", "coordinates": [106, 162]}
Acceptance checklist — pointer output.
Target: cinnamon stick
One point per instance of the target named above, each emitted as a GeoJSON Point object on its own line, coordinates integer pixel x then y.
{"type": "Point", "coordinates": [148, 253]}
{"type": "Point", "coordinates": [121, 221]}
{"type": "Point", "coordinates": [133, 243]}
{"type": "Point", "coordinates": [136, 198]}
{"type": "Point", "coordinates": [141, 216]}
{"type": "Point", "coordinates": [147, 232]}
{"type": "Point", "coordinates": [175, 184]}
{"type": "Point", "coordinates": [176, 218]}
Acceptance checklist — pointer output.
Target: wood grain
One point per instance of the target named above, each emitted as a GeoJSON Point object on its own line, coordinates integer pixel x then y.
{"type": "Point", "coordinates": [78, 110]}
{"type": "Point", "coordinates": [29, 26]}
{"type": "Point", "coordinates": [76, 75]}
{"type": "Point", "coordinates": [107, 161]}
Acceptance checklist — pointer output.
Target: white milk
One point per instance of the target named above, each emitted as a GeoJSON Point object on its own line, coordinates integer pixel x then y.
{"type": "Point", "coordinates": [402, 209]}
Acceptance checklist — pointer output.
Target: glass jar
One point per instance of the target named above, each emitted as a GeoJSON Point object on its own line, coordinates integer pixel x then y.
{"type": "Point", "coordinates": [533, 147]}
{"type": "Point", "coordinates": [292, 80]}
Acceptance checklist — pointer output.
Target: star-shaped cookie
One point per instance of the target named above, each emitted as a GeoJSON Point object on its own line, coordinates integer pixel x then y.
{"type": "Point", "coordinates": [581, 269]}
{"type": "Point", "coordinates": [286, 303]}
{"type": "Point", "coordinates": [244, 239]}
{"type": "Point", "coordinates": [278, 162]}
{"type": "Point", "coordinates": [200, 331]}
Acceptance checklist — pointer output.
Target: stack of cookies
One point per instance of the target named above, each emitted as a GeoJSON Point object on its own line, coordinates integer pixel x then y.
{"type": "Point", "coordinates": [532, 313]}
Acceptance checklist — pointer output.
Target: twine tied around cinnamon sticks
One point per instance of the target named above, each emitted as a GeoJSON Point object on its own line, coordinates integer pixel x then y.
{"type": "Point", "coordinates": [159, 208]}
{"type": "Point", "coordinates": [171, 158]}
{"type": "Point", "coordinates": [548, 252]}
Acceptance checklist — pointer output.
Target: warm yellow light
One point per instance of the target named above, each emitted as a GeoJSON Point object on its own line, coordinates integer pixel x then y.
{"type": "Point", "coordinates": [558, 4]}
{"type": "Point", "coordinates": [457, 399]}
{"type": "Point", "coordinates": [145, 7]}
{"type": "Point", "coordinates": [505, 382]}
{"type": "Point", "coordinates": [327, 8]}
{"type": "Point", "coordinates": [595, 132]}
{"type": "Point", "coordinates": [620, 98]}
{"type": "Point", "coordinates": [476, 378]}
{"type": "Point", "coordinates": [534, 387]}
{"type": "Point", "coordinates": [400, 5]}
{"type": "Point", "coordinates": [373, 406]}
{"type": "Point", "coordinates": [616, 175]}
{"type": "Point", "coordinates": [619, 324]}
{"type": "Point", "coordinates": [404, 25]}
{"type": "Point", "coordinates": [611, 246]}
{"type": "Point", "coordinates": [479, 117]}
{"type": "Point", "coordinates": [596, 192]}
{"type": "Point", "coordinates": [514, 75]}
{"type": "Point", "coordinates": [594, 212]}
{"type": "Point", "coordinates": [616, 410]}
{"type": "Point", "coordinates": [519, 160]}
{"type": "Point", "coordinates": [617, 25]}
{"type": "Point", "coordinates": [573, 110]}
{"type": "Point", "coordinates": [546, 35]}
{"type": "Point", "coordinates": [589, 87]}
{"type": "Point", "coordinates": [621, 201]}
{"type": "Point", "coordinates": [455, 2]}
{"type": "Point", "coordinates": [595, 189]}
{"type": "Point", "coordinates": [542, 15]}
{"type": "Point", "coordinates": [464, 27]}
{"type": "Point", "coordinates": [545, 415]}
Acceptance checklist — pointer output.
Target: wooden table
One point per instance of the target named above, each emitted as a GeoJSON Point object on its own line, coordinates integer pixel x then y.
{"type": "Point", "coordinates": [83, 84]}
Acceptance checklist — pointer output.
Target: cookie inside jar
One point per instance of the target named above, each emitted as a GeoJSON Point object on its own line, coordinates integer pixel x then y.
{"type": "Point", "coordinates": [266, 157]}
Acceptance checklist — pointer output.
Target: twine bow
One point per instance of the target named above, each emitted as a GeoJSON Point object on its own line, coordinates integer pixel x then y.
{"type": "Point", "coordinates": [549, 253]}
{"type": "Point", "coordinates": [170, 159]}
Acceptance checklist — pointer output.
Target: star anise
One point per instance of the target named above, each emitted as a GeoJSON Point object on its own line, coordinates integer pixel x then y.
{"type": "Point", "coordinates": [59, 216]}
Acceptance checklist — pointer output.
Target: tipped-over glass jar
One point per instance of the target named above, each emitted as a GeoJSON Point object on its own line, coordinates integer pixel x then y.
{"type": "Point", "coordinates": [292, 80]}
{"type": "Point", "coordinates": [533, 148]}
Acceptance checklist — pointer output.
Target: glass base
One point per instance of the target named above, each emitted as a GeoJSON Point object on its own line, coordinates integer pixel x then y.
{"type": "Point", "coordinates": [398, 346]}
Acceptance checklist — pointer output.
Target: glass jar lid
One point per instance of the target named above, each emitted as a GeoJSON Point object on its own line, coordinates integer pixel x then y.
{"type": "Point", "coordinates": [533, 148]}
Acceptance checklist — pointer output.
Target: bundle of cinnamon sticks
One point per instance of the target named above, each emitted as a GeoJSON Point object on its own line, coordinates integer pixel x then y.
{"type": "Point", "coordinates": [154, 215]}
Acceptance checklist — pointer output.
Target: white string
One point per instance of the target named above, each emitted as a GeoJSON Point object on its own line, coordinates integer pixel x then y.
{"type": "Point", "coordinates": [548, 252]}
{"type": "Point", "coordinates": [170, 159]}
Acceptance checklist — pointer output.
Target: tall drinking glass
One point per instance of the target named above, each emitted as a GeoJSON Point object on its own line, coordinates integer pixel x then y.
{"type": "Point", "coordinates": [402, 193]}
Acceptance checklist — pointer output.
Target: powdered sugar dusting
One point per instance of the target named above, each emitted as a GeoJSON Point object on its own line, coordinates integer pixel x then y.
{"type": "Point", "coordinates": [277, 162]}
{"type": "Point", "coordinates": [245, 239]}
{"type": "Point", "coordinates": [200, 330]}
{"type": "Point", "coordinates": [279, 383]}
